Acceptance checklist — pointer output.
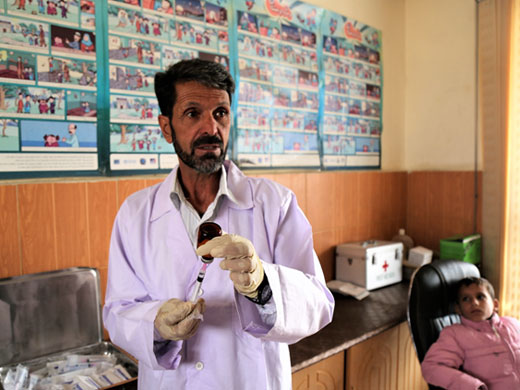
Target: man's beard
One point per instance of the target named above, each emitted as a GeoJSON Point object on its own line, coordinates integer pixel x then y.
{"type": "Point", "coordinates": [207, 163]}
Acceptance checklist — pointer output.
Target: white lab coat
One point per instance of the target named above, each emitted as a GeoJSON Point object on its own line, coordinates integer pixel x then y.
{"type": "Point", "coordinates": [152, 260]}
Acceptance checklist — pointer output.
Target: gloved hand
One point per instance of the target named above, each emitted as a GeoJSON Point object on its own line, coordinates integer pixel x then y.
{"type": "Point", "coordinates": [240, 258]}
{"type": "Point", "coordinates": [179, 320]}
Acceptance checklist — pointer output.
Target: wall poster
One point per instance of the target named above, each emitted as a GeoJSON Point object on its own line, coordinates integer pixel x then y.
{"type": "Point", "coordinates": [144, 37]}
{"type": "Point", "coordinates": [351, 127]}
{"type": "Point", "coordinates": [137, 32]}
{"type": "Point", "coordinates": [77, 83]}
{"type": "Point", "coordinates": [278, 99]}
{"type": "Point", "coordinates": [48, 86]}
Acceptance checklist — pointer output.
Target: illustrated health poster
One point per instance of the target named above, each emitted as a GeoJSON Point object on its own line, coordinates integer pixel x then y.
{"type": "Point", "coordinates": [351, 126]}
{"type": "Point", "coordinates": [278, 84]}
{"type": "Point", "coordinates": [48, 86]}
{"type": "Point", "coordinates": [77, 83]}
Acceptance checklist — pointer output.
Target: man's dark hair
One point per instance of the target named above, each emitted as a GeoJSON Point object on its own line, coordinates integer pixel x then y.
{"type": "Point", "coordinates": [474, 280]}
{"type": "Point", "coordinates": [207, 73]}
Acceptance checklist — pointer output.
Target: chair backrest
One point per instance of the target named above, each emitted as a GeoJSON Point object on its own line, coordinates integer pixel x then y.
{"type": "Point", "coordinates": [430, 300]}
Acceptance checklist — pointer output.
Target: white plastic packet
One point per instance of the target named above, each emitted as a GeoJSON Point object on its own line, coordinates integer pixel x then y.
{"type": "Point", "coordinates": [86, 383]}
{"type": "Point", "coordinates": [112, 376]}
{"type": "Point", "coordinates": [78, 359]}
{"type": "Point", "coordinates": [21, 380]}
{"type": "Point", "coordinates": [9, 379]}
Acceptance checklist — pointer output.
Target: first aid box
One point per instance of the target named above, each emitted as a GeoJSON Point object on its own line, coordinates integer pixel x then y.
{"type": "Point", "coordinates": [370, 264]}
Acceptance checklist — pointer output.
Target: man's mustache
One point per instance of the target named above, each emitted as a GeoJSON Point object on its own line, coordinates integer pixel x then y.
{"type": "Point", "coordinates": [208, 139]}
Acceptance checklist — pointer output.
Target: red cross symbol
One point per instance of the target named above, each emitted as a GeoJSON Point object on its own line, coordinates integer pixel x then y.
{"type": "Point", "coordinates": [385, 265]}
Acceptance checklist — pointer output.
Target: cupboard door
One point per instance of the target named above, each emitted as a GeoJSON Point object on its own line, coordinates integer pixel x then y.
{"type": "Point", "coordinates": [325, 375]}
{"type": "Point", "coordinates": [372, 364]}
{"type": "Point", "coordinates": [409, 374]}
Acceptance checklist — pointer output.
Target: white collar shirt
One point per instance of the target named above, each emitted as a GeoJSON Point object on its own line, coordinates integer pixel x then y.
{"type": "Point", "coordinates": [191, 218]}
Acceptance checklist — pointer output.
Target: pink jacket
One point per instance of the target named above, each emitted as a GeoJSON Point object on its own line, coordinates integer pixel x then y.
{"type": "Point", "coordinates": [487, 353]}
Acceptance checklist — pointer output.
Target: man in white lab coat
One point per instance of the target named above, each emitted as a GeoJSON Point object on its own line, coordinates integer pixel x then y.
{"type": "Point", "coordinates": [264, 290]}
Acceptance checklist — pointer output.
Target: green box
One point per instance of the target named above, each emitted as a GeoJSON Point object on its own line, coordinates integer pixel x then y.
{"type": "Point", "coordinates": [465, 248]}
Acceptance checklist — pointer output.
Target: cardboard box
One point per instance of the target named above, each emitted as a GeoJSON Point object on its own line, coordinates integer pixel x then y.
{"type": "Point", "coordinates": [370, 264]}
{"type": "Point", "coordinates": [49, 316]}
{"type": "Point", "coordinates": [465, 248]}
{"type": "Point", "coordinates": [419, 256]}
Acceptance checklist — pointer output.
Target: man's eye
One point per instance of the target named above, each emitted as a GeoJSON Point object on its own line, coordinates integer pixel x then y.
{"type": "Point", "coordinates": [192, 114]}
{"type": "Point", "coordinates": [221, 113]}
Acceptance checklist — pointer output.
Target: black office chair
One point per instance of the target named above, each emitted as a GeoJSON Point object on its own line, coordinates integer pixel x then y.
{"type": "Point", "coordinates": [430, 301]}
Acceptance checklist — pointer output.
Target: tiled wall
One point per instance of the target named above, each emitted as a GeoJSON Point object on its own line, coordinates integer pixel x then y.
{"type": "Point", "coordinates": [48, 225]}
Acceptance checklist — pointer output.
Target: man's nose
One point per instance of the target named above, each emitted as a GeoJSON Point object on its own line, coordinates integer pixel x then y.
{"type": "Point", "coordinates": [210, 124]}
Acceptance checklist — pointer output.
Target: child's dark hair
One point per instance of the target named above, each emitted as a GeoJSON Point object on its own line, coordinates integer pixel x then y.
{"type": "Point", "coordinates": [207, 73]}
{"type": "Point", "coordinates": [474, 280]}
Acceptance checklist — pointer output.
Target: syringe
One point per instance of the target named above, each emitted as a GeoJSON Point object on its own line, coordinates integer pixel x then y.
{"type": "Point", "coordinates": [207, 231]}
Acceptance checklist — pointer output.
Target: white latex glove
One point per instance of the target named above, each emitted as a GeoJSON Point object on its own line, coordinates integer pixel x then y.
{"type": "Point", "coordinates": [240, 258]}
{"type": "Point", "coordinates": [179, 320]}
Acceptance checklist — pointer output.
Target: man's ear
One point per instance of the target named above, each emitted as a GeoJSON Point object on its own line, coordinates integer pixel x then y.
{"type": "Point", "coordinates": [166, 129]}
{"type": "Point", "coordinates": [495, 305]}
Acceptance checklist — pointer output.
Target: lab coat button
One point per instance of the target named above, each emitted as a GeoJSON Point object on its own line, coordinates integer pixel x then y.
{"type": "Point", "coordinates": [199, 366]}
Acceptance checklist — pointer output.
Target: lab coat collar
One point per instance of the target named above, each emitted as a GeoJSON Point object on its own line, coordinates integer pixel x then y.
{"type": "Point", "coordinates": [238, 191]}
{"type": "Point", "coordinates": [239, 186]}
{"type": "Point", "coordinates": [162, 203]}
